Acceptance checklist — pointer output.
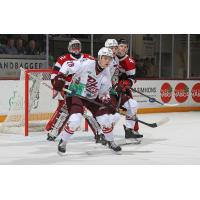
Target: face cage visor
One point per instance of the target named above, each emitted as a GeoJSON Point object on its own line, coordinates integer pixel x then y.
{"type": "Point", "coordinates": [75, 48]}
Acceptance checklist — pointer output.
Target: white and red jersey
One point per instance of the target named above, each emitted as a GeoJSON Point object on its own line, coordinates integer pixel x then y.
{"type": "Point", "coordinates": [68, 57]}
{"type": "Point", "coordinates": [85, 80]}
{"type": "Point", "coordinates": [118, 66]}
{"type": "Point", "coordinates": [127, 65]}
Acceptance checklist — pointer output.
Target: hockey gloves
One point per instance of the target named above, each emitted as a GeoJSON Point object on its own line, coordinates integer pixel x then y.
{"type": "Point", "coordinates": [123, 86]}
{"type": "Point", "coordinates": [59, 82]}
{"type": "Point", "coordinates": [105, 100]}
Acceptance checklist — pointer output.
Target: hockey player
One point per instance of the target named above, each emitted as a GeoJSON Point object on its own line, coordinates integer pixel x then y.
{"type": "Point", "coordinates": [122, 69]}
{"type": "Point", "coordinates": [58, 119]}
{"type": "Point", "coordinates": [90, 80]}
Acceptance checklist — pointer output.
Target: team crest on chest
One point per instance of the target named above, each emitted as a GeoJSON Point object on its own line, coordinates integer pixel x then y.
{"type": "Point", "coordinates": [91, 86]}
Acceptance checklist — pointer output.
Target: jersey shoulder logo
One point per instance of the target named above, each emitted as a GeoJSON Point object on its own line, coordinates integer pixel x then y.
{"type": "Point", "coordinates": [62, 57]}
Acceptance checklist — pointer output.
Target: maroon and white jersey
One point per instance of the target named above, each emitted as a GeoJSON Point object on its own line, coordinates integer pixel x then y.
{"type": "Point", "coordinates": [85, 80]}
{"type": "Point", "coordinates": [68, 57]}
{"type": "Point", "coordinates": [127, 65]}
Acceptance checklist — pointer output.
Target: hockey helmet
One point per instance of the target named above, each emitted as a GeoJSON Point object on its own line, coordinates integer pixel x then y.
{"type": "Point", "coordinates": [122, 41]}
{"type": "Point", "coordinates": [104, 51]}
{"type": "Point", "coordinates": [111, 43]}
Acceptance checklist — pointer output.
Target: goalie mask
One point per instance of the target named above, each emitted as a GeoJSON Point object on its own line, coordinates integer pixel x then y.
{"type": "Point", "coordinates": [74, 46]}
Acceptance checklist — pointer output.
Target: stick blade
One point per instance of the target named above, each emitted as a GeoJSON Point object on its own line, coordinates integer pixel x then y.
{"type": "Point", "coordinates": [163, 121]}
{"type": "Point", "coordinates": [171, 105]}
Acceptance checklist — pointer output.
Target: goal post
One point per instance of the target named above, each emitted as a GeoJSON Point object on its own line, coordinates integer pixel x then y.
{"type": "Point", "coordinates": [44, 74]}
{"type": "Point", "coordinates": [32, 104]}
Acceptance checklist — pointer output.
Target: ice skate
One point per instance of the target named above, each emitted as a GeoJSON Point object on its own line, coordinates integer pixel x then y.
{"type": "Point", "coordinates": [101, 139]}
{"type": "Point", "coordinates": [131, 136]}
{"type": "Point", "coordinates": [50, 137]}
{"type": "Point", "coordinates": [129, 133]}
{"type": "Point", "coordinates": [112, 145]}
{"type": "Point", "coordinates": [62, 147]}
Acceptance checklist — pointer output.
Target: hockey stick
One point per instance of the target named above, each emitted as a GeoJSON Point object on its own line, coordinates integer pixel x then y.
{"type": "Point", "coordinates": [152, 125]}
{"type": "Point", "coordinates": [85, 98]}
{"type": "Point", "coordinates": [153, 99]}
{"type": "Point", "coordinates": [119, 102]}
{"type": "Point", "coordinates": [155, 124]}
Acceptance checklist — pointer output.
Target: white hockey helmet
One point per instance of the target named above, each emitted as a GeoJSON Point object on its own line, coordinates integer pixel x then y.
{"type": "Point", "coordinates": [104, 51]}
{"type": "Point", "coordinates": [111, 43]}
{"type": "Point", "coordinates": [74, 46]}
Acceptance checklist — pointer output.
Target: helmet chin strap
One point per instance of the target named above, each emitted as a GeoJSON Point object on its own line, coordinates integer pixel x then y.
{"type": "Point", "coordinates": [98, 67]}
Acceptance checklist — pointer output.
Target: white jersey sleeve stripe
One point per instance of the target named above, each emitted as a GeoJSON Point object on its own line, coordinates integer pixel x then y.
{"type": "Point", "coordinates": [130, 72]}
{"type": "Point", "coordinates": [58, 65]}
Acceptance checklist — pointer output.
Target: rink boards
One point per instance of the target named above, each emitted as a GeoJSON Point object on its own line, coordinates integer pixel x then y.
{"type": "Point", "coordinates": [184, 92]}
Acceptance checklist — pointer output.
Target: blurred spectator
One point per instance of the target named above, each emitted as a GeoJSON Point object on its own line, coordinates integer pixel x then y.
{"type": "Point", "coordinates": [20, 47]}
{"type": "Point", "coordinates": [32, 50]}
{"type": "Point", "coordinates": [51, 61]}
{"type": "Point", "coordinates": [149, 67]}
{"type": "Point", "coordinates": [140, 69]}
{"type": "Point", "coordinates": [10, 47]}
{"type": "Point", "coordinates": [2, 48]}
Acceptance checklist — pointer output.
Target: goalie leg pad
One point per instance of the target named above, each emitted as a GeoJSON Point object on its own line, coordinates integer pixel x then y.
{"type": "Point", "coordinates": [55, 116]}
{"type": "Point", "coordinates": [59, 123]}
{"type": "Point", "coordinates": [92, 122]}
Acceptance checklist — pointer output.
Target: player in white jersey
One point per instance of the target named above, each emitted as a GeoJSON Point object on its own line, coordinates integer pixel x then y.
{"type": "Point", "coordinates": [92, 82]}
{"type": "Point", "coordinates": [119, 93]}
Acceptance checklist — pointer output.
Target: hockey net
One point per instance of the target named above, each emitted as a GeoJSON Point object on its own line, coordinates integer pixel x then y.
{"type": "Point", "coordinates": [32, 104]}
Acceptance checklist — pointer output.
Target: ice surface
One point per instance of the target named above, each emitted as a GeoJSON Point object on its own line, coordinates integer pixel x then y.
{"type": "Point", "coordinates": [177, 142]}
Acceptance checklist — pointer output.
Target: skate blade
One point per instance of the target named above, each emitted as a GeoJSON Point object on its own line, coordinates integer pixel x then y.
{"type": "Point", "coordinates": [130, 141]}
{"type": "Point", "coordinates": [51, 139]}
{"type": "Point", "coordinates": [116, 152]}
{"type": "Point", "coordinates": [133, 141]}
